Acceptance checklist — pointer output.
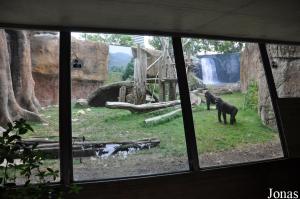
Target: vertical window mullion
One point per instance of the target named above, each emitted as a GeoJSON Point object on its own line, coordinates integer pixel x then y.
{"type": "Point", "coordinates": [273, 94]}
{"type": "Point", "coordinates": [65, 128]}
{"type": "Point", "coordinates": [186, 105]}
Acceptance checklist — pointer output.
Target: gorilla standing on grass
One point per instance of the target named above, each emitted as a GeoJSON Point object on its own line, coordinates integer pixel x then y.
{"type": "Point", "coordinates": [210, 99]}
{"type": "Point", "coordinates": [226, 108]}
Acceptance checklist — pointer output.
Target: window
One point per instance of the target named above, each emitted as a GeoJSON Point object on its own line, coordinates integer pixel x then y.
{"type": "Point", "coordinates": [29, 87]}
{"type": "Point", "coordinates": [227, 77]}
{"type": "Point", "coordinates": [126, 114]}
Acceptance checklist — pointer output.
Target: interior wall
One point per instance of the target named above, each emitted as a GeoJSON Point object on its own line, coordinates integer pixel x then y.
{"type": "Point", "coordinates": [247, 182]}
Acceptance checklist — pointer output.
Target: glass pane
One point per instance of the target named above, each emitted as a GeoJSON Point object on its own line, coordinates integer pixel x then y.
{"type": "Point", "coordinates": [29, 90]}
{"type": "Point", "coordinates": [126, 115]}
{"type": "Point", "coordinates": [285, 63]}
{"type": "Point", "coordinates": [226, 79]}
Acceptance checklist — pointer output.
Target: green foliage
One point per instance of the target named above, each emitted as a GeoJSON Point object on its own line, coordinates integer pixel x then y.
{"type": "Point", "coordinates": [114, 76]}
{"type": "Point", "coordinates": [193, 46]}
{"type": "Point", "coordinates": [128, 73]}
{"type": "Point", "coordinates": [111, 39]}
{"type": "Point", "coordinates": [251, 97]}
{"type": "Point", "coordinates": [12, 148]}
{"type": "Point", "coordinates": [156, 43]}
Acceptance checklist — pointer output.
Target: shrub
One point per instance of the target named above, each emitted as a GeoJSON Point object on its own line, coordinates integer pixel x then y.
{"type": "Point", "coordinates": [251, 97]}
{"type": "Point", "coordinates": [13, 148]}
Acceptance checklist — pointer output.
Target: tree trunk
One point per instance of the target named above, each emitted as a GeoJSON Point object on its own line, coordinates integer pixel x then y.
{"type": "Point", "coordinates": [140, 73]}
{"type": "Point", "coordinates": [10, 110]}
{"type": "Point", "coordinates": [21, 72]}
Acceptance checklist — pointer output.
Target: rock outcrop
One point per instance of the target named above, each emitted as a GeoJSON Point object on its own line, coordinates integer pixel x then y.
{"type": "Point", "coordinates": [286, 71]}
{"type": "Point", "coordinates": [93, 57]}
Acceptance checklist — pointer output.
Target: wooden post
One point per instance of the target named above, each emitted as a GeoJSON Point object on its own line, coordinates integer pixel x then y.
{"type": "Point", "coordinates": [172, 90]}
{"type": "Point", "coordinates": [140, 73]}
{"type": "Point", "coordinates": [166, 71]}
{"type": "Point", "coordinates": [122, 94]}
{"type": "Point", "coordinates": [162, 91]}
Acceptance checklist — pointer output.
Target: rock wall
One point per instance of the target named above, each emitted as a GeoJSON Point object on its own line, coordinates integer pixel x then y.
{"type": "Point", "coordinates": [286, 71]}
{"type": "Point", "coordinates": [93, 57]}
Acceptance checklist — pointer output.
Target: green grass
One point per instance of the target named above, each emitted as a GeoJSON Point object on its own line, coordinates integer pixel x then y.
{"type": "Point", "coordinates": [215, 136]}
{"type": "Point", "coordinates": [104, 124]}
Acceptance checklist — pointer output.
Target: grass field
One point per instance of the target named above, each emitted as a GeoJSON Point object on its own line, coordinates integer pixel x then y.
{"type": "Point", "coordinates": [104, 124]}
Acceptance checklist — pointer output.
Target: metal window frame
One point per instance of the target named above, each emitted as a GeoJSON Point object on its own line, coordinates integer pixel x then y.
{"type": "Point", "coordinates": [65, 124]}
{"type": "Point", "coordinates": [65, 116]}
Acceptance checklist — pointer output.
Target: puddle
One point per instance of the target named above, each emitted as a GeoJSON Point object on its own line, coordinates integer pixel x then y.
{"type": "Point", "coordinates": [120, 150]}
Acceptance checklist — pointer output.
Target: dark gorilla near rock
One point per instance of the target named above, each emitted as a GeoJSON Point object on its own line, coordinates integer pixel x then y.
{"type": "Point", "coordinates": [210, 99]}
{"type": "Point", "coordinates": [226, 108]}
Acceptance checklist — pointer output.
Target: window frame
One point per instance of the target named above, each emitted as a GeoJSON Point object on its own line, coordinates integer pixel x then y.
{"type": "Point", "coordinates": [65, 125]}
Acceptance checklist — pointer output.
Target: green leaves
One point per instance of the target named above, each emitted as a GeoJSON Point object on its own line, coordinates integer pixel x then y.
{"type": "Point", "coordinates": [30, 162]}
{"type": "Point", "coordinates": [111, 39]}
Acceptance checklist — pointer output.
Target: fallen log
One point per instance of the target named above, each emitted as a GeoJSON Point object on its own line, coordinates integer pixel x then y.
{"type": "Point", "coordinates": [163, 118]}
{"type": "Point", "coordinates": [91, 148]}
{"type": "Point", "coordinates": [142, 108]}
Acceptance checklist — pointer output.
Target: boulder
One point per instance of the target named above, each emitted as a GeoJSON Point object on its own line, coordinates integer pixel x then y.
{"type": "Point", "coordinates": [286, 71]}
{"type": "Point", "coordinates": [93, 57]}
{"type": "Point", "coordinates": [81, 103]}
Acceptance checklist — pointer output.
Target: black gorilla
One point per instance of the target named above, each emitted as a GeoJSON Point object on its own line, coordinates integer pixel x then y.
{"type": "Point", "coordinates": [226, 108]}
{"type": "Point", "coordinates": [210, 99]}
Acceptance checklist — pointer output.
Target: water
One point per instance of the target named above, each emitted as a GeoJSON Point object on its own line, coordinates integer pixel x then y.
{"type": "Point", "coordinates": [109, 150]}
{"type": "Point", "coordinates": [209, 71]}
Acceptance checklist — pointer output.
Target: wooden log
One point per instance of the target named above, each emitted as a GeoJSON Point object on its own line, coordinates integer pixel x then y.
{"type": "Point", "coordinates": [91, 148]}
{"type": "Point", "coordinates": [156, 80]}
{"type": "Point", "coordinates": [140, 74]}
{"type": "Point", "coordinates": [155, 62]}
{"type": "Point", "coordinates": [163, 118]}
{"type": "Point", "coordinates": [141, 108]}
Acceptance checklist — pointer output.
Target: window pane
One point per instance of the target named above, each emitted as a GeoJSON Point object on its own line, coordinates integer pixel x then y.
{"type": "Point", "coordinates": [121, 86]}
{"type": "Point", "coordinates": [29, 90]}
{"type": "Point", "coordinates": [228, 76]}
{"type": "Point", "coordinates": [285, 63]}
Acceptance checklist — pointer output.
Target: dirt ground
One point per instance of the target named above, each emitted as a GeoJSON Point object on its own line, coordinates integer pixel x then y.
{"type": "Point", "coordinates": [144, 164]}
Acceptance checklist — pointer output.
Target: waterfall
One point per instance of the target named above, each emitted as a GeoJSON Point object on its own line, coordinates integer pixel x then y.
{"type": "Point", "coordinates": [209, 71]}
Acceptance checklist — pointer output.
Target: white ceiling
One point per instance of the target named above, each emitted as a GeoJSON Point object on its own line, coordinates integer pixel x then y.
{"type": "Point", "coordinates": [255, 19]}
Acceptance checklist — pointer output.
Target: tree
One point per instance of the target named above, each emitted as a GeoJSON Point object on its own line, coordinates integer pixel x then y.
{"type": "Point", "coordinates": [112, 39]}
{"type": "Point", "coordinates": [17, 98]}
{"type": "Point", "coordinates": [128, 73]}
{"type": "Point", "coordinates": [193, 46]}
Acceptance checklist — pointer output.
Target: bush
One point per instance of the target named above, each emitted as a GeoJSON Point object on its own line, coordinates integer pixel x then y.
{"type": "Point", "coordinates": [251, 97]}
{"type": "Point", "coordinates": [30, 166]}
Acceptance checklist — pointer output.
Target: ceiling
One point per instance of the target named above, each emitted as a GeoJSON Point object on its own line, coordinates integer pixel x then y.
{"type": "Point", "coordinates": [254, 19]}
